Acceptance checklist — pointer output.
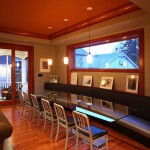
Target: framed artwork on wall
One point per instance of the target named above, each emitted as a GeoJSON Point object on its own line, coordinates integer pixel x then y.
{"type": "Point", "coordinates": [53, 79]}
{"type": "Point", "coordinates": [132, 83]}
{"type": "Point", "coordinates": [44, 67]}
{"type": "Point", "coordinates": [74, 78]}
{"type": "Point", "coordinates": [107, 83]}
{"type": "Point", "coordinates": [87, 80]}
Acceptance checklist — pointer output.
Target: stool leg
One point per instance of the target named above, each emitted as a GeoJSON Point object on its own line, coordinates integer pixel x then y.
{"type": "Point", "coordinates": [66, 143]}
{"type": "Point", "coordinates": [57, 131]}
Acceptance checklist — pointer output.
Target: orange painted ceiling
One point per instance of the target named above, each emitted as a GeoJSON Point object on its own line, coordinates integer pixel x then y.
{"type": "Point", "coordinates": [28, 17]}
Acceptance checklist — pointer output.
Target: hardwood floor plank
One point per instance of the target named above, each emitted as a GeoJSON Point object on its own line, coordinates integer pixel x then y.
{"type": "Point", "coordinates": [27, 137]}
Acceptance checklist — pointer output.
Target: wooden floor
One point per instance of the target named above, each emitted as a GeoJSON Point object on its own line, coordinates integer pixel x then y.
{"type": "Point", "coordinates": [27, 137]}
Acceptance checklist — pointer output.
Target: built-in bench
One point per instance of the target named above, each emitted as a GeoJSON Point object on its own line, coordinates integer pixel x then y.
{"type": "Point", "coordinates": [137, 123]}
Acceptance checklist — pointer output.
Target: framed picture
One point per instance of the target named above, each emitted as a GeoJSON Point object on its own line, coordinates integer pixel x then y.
{"type": "Point", "coordinates": [53, 78]}
{"type": "Point", "coordinates": [106, 104]}
{"type": "Point", "coordinates": [132, 83]}
{"type": "Point", "coordinates": [107, 83]}
{"type": "Point", "coordinates": [87, 80]}
{"type": "Point", "coordinates": [74, 78]}
{"type": "Point", "coordinates": [44, 67]}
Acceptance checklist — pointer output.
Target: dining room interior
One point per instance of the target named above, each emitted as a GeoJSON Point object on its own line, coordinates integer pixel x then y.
{"type": "Point", "coordinates": [89, 58]}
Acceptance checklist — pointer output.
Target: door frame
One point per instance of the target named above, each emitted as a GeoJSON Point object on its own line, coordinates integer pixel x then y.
{"type": "Point", "coordinates": [30, 50]}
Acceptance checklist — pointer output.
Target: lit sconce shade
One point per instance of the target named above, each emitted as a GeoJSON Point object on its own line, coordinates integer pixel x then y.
{"type": "Point", "coordinates": [50, 61]}
{"type": "Point", "coordinates": [89, 58]}
{"type": "Point", "coordinates": [66, 60]}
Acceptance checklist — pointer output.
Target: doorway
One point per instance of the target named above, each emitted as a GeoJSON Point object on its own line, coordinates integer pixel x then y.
{"type": "Point", "coordinates": [16, 71]}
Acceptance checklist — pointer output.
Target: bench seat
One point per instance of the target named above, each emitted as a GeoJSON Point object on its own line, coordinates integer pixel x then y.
{"type": "Point", "coordinates": [136, 124]}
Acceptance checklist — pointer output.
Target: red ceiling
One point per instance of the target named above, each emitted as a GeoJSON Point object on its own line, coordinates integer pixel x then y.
{"type": "Point", "coordinates": [32, 17]}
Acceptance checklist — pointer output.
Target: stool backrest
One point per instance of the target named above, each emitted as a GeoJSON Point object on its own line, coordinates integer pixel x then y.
{"type": "Point", "coordinates": [47, 108]}
{"type": "Point", "coordinates": [82, 123]}
{"type": "Point", "coordinates": [61, 115]}
{"type": "Point", "coordinates": [26, 98]}
{"type": "Point", "coordinates": [35, 102]}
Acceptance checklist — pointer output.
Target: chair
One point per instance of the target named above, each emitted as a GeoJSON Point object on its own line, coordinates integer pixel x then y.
{"type": "Point", "coordinates": [86, 131]}
{"type": "Point", "coordinates": [37, 109]}
{"type": "Point", "coordinates": [49, 115]}
{"type": "Point", "coordinates": [22, 101]}
{"type": "Point", "coordinates": [64, 121]}
{"type": "Point", "coordinates": [29, 105]}
{"type": "Point", "coordinates": [7, 92]}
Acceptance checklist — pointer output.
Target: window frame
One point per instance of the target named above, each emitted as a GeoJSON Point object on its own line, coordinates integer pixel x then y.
{"type": "Point", "coordinates": [108, 39]}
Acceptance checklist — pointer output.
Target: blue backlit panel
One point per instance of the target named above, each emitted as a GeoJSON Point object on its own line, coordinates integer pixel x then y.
{"type": "Point", "coordinates": [90, 113]}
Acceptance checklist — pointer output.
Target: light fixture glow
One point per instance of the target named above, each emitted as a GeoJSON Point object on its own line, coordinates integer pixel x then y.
{"type": "Point", "coordinates": [50, 62]}
{"type": "Point", "coordinates": [89, 56]}
{"type": "Point", "coordinates": [66, 60]}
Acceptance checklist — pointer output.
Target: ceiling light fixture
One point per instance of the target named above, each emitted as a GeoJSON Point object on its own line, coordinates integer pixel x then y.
{"type": "Point", "coordinates": [89, 56]}
{"type": "Point", "coordinates": [66, 58]}
{"type": "Point", "coordinates": [50, 61]}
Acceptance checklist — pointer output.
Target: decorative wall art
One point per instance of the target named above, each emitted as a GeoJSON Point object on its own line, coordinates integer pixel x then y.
{"type": "Point", "coordinates": [87, 80]}
{"type": "Point", "coordinates": [132, 83]}
{"type": "Point", "coordinates": [107, 83]}
{"type": "Point", "coordinates": [53, 78]}
{"type": "Point", "coordinates": [44, 67]}
{"type": "Point", "coordinates": [74, 78]}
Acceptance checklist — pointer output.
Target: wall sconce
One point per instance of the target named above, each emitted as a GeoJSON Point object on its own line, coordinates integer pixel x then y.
{"type": "Point", "coordinates": [66, 60]}
{"type": "Point", "coordinates": [50, 61]}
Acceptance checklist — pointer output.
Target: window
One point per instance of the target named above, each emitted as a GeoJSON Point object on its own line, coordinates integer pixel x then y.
{"type": "Point", "coordinates": [121, 52]}
{"type": "Point", "coordinates": [116, 55]}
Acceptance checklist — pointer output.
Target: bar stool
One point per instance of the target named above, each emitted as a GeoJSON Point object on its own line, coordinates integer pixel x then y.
{"type": "Point", "coordinates": [88, 132]}
{"type": "Point", "coordinates": [37, 109]}
{"type": "Point", "coordinates": [49, 115]}
{"type": "Point", "coordinates": [22, 104]}
{"type": "Point", "coordinates": [29, 105]}
{"type": "Point", "coordinates": [64, 121]}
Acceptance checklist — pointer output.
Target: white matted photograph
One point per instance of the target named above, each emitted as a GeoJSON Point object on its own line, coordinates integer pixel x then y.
{"type": "Point", "coordinates": [44, 67]}
{"type": "Point", "coordinates": [87, 80]}
{"type": "Point", "coordinates": [132, 82]}
{"type": "Point", "coordinates": [106, 82]}
{"type": "Point", "coordinates": [74, 78]}
{"type": "Point", "coordinates": [53, 79]}
{"type": "Point", "coordinates": [106, 104]}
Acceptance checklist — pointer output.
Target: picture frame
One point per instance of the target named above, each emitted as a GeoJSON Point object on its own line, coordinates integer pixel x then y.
{"type": "Point", "coordinates": [53, 79]}
{"type": "Point", "coordinates": [87, 81]}
{"type": "Point", "coordinates": [106, 104]}
{"type": "Point", "coordinates": [74, 78]}
{"type": "Point", "coordinates": [132, 83]}
{"type": "Point", "coordinates": [106, 82]}
{"type": "Point", "coordinates": [44, 67]}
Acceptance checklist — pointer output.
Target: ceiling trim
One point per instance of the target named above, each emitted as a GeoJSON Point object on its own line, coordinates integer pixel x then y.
{"type": "Point", "coordinates": [121, 10]}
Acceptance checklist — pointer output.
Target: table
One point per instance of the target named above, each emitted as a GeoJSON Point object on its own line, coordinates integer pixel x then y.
{"type": "Point", "coordinates": [98, 108]}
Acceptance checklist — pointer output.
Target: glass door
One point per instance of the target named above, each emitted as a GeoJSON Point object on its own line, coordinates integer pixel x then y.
{"type": "Point", "coordinates": [21, 70]}
{"type": "Point", "coordinates": [5, 74]}
{"type": "Point", "coordinates": [16, 71]}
